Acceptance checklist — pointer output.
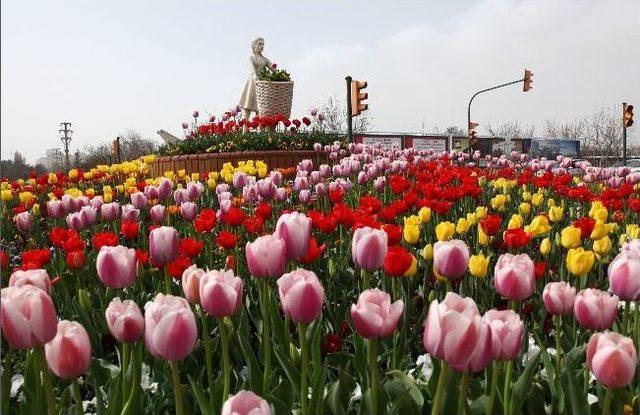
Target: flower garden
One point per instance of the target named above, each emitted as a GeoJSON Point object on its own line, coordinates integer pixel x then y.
{"type": "Point", "coordinates": [386, 281]}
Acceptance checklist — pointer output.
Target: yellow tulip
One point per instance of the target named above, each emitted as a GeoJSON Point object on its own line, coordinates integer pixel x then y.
{"type": "Point", "coordinates": [538, 226]}
{"type": "Point", "coordinates": [537, 199]}
{"type": "Point", "coordinates": [622, 239]}
{"type": "Point", "coordinates": [526, 196]}
{"type": "Point", "coordinates": [411, 234]}
{"type": "Point", "coordinates": [107, 197]}
{"type": "Point", "coordinates": [600, 230]}
{"type": "Point", "coordinates": [579, 262]}
{"type": "Point", "coordinates": [551, 203]}
{"type": "Point", "coordinates": [36, 209]}
{"type": "Point", "coordinates": [603, 245]}
{"type": "Point", "coordinates": [524, 208]}
{"type": "Point", "coordinates": [516, 221]}
{"type": "Point", "coordinates": [556, 213]}
{"type": "Point", "coordinates": [413, 269]}
{"type": "Point", "coordinates": [7, 195]}
{"type": "Point", "coordinates": [182, 173]}
{"type": "Point", "coordinates": [425, 214]}
{"type": "Point", "coordinates": [462, 226]}
{"type": "Point", "coordinates": [412, 220]}
{"type": "Point", "coordinates": [478, 265]}
{"type": "Point", "coordinates": [427, 252]}
{"type": "Point", "coordinates": [481, 212]}
{"type": "Point", "coordinates": [545, 246]}
{"type": "Point", "coordinates": [53, 178]}
{"type": "Point", "coordinates": [570, 237]}
{"type": "Point", "coordinates": [498, 202]}
{"type": "Point", "coordinates": [73, 174]}
{"type": "Point", "coordinates": [483, 239]}
{"type": "Point", "coordinates": [445, 231]}
{"type": "Point", "coordinates": [633, 231]}
{"type": "Point", "coordinates": [472, 218]}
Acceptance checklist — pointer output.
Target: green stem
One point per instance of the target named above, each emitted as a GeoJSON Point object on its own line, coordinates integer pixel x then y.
{"type": "Point", "coordinates": [76, 396]}
{"type": "Point", "coordinates": [167, 281]}
{"type": "Point", "coordinates": [507, 387]}
{"type": "Point", "coordinates": [625, 318]}
{"type": "Point", "coordinates": [606, 405]}
{"type": "Point", "coordinates": [373, 368]}
{"type": "Point", "coordinates": [442, 380]}
{"type": "Point", "coordinates": [462, 394]}
{"type": "Point", "coordinates": [266, 332]}
{"type": "Point", "coordinates": [495, 371]}
{"type": "Point", "coordinates": [365, 275]}
{"type": "Point", "coordinates": [224, 339]}
{"type": "Point", "coordinates": [206, 336]}
{"type": "Point", "coordinates": [46, 380]}
{"type": "Point", "coordinates": [124, 363]}
{"type": "Point", "coordinates": [558, 333]}
{"type": "Point", "coordinates": [177, 388]}
{"type": "Point", "coordinates": [304, 363]}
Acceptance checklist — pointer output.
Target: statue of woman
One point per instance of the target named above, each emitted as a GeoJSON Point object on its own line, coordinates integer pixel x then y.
{"type": "Point", "coordinates": [249, 101]}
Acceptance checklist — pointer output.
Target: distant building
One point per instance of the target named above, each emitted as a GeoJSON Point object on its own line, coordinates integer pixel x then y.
{"type": "Point", "coordinates": [53, 160]}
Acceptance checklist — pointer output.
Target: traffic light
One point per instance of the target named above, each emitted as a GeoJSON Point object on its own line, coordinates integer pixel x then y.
{"type": "Point", "coordinates": [473, 141]}
{"type": "Point", "coordinates": [627, 115]}
{"type": "Point", "coordinates": [527, 80]}
{"type": "Point", "coordinates": [357, 106]}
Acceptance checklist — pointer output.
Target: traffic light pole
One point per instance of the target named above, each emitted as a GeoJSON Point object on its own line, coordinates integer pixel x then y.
{"type": "Point", "coordinates": [349, 114]}
{"type": "Point", "coordinates": [483, 91]}
{"type": "Point", "coordinates": [624, 136]}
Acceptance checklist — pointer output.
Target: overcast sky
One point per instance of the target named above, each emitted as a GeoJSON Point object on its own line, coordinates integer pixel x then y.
{"type": "Point", "coordinates": [113, 65]}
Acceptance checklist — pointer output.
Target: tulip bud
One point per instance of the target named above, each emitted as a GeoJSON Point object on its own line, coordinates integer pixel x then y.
{"type": "Point", "coordinates": [374, 315]}
{"type": "Point", "coordinates": [163, 245]}
{"type": "Point", "coordinates": [220, 293]}
{"type": "Point", "coordinates": [168, 318]}
{"type": "Point", "coordinates": [369, 248]}
{"type": "Point", "coordinates": [117, 266]}
{"type": "Point", "coordinates": [28, 316]}
{"type": "Point", "coordinates": [125, 321]}
{"type": "Point", "coordinates": [69, 353]}
{"type": "Point", "coordinates": [301, 295]}
{"type": "Point", "coordinates": [514, 276]}
{"type": "Point", "coordinates": [559, 298]}
{"type": "Point", "coordinates": [595, 309]}
{"type": "Point", "coordinates": [266, 256]}
{"type": "Point", "coordinates": [612, 358]}
{"type": "Point", "coordinates": [246, 403]}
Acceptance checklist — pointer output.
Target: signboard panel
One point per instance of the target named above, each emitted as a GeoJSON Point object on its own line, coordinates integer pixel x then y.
{"type": "Point", "coordinates": [385, 141]}
{"type": "Point", "coordinates": [551, 148]}
{"type": "Point", "coordinates": [436, 144]}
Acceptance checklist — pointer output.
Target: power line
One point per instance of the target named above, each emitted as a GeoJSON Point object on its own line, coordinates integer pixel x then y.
{"type": "Point", "coordinates": [65, 139]}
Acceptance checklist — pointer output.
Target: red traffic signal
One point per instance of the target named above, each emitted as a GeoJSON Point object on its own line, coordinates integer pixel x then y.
{"type": "Point", "coordinates": [627, 115]}
{"type": "Point", "coordinates": [527, 80]}
{"type": "Point", "coordinates": [357, 97]}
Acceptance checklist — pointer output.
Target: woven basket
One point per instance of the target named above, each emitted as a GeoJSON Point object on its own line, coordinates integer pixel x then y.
{"type": "Point", "coordinates": [274, 98]}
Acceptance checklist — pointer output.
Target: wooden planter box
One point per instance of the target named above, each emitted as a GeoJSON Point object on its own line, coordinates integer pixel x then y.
{"type": "Point", "coordinates": [207, 162]}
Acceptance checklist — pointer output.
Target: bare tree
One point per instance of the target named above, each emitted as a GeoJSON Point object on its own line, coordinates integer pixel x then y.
{"type": "Point", "coordinates": [336, 117]}
{"type": "Point", "coordinates": [604, 134]}
{"type": "Point", "coordinates": [511, 129]}
{"type": "Point", "coordinates": [132, 146]}
{"type": "Point", "coordinates": [450, 130]}
{"type": "Point", "coordinates": [575, 129]}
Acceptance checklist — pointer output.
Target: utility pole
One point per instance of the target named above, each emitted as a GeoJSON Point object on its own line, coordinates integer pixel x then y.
{"type": "Point", "coordinates": [64, 129]}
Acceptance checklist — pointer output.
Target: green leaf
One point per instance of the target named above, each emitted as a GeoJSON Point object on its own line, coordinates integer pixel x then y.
{"type": "Point", "coordinates": [255, 371]}
{"type": "Point", "coordinates": [292, 372]}
{"type": "Point", "coordinates": [5, 381]}
{"type": "Point", "coordinates": [404, 394]}
{"type": "Point", "coordinates": [572, 364]}
{"type": "Point", "coordinates": [317, 384]}
{"type": "Point", "coordinates": [340, 392]}
{"type": "Point", "coordinates": [201, 397]}
{"type": "Point", "coordinates": [523, 385]}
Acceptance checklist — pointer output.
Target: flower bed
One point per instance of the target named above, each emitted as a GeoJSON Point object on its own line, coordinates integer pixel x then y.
{"type": "Point", "coordinates": [383, 282]}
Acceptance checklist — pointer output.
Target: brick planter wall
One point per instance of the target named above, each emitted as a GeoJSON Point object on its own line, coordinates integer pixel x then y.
{"type": "Point", "coordinates": [207, 162]}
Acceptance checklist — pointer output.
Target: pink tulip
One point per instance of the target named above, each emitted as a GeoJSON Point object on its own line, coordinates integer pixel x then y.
{"type": "Point", "coordinates": [276, 177]}
{"type": "Point", "coordinates": [506, 333]}
{"type": "Point", "coordinates": [301, 295]}
{"type": "Point", "coordinates": [266, 188]}
{"type": "Point", "coordinates": [558, 298]}
{"type": "Point", "coordinates": [129, 212]}
{"type": "Point", "coordinates": [156, 213]}
{"type": "Point", "coordinates": [165, 186]}
{"type": "Point", "coordinates": [181, 196]}
{"type": "Point", "coordinates": [374, 316]}
{"type": "Point", "coordinates": [595, 309]}
{"type": "Point", "coordinates": [96, 202]}
{"type": "Point", "coordinates": [455, 333]}
{"type": "Point", "coordinates": [266, 256]}
{"type": "Point", "coordinates": [55, 209]}
{"type": "Point", "coordinates": [281, 194]}
{"type": "Point", "coordinates": [294, 229]}
{"type": "Point", "coordinates": [304, 196]}
{"type": "Point", "coordinates": [139, 200]}
{"type": "Point", "coordinates": [117, 266]}
{"type": "Point", "coordinates": [451, 258]}
{"type": "Point", "coordinates": [69, 353]}
{"type": "Point", "coordinates": [246, 403]}
{"type": "Point", "coordinates": [24, 221]}
{"type": "Point", "coordinates": [624, 275]}
{"type": "Point", "coordinates": [124, 320]}
{"type": "Point", "coordinates": [612, 358]}
{"type": "Point", "coordinates": [514, 276]}
{"type": "Point", "coordinates": [194, 190]}
{"type": "Point", "coordinates": [151, 192]}
{"type": "Point", "coordinates": [221, 293]}
{"type": "Point", "coordinates": [36, 277]}
{"type": "Point", "coordinates": [369, 248]}
{"type": "Point", "coordinates": [163, 245]}
{"type": "Point", "coordinates": [75, 221]}
{"type": "Point", "coordinates": [88, 214]}
{"type": "Point", "coordinates": [239, 179]}
{"type": "Point", "coordinates": [170, 331]}
{"type": "Point", "coordinates": [188, 210]}
{"type": "Point", "coordinates": [191, 278]}
{"type": "Point", "coordinates": [28, 316]}
{"type": "Point", "coordinates": [110, 211]}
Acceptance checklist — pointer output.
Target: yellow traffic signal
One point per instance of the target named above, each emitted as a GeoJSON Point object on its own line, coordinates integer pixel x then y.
{"type": "Point", "coordinates": [357, 97]}
{"type": "Point", "coordinates": [527, 80]}
{"type": "Point", "coordinates": [627, 115]}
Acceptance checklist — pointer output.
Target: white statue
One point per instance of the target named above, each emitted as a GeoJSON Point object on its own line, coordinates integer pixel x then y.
{"type": "Point", "coordinates": [168, 137]}
{"type": "Point", "coordinates": [249, 101]}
